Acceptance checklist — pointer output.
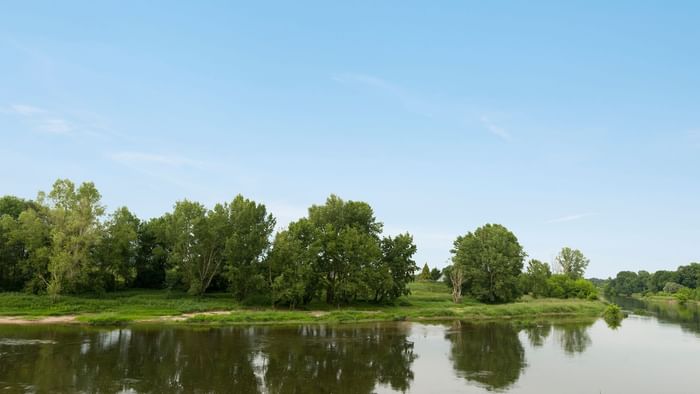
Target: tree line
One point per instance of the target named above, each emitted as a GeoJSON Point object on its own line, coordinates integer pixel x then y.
{"type": "Point", "coordinates": [64, 242]}
{"type": "Point", "coordinates": [683, 282]}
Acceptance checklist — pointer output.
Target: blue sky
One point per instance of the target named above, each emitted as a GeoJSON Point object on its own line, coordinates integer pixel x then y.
{"type": "Point", "coordinates": [572, 124]}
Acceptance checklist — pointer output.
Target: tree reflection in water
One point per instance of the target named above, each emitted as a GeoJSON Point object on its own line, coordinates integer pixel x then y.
{"type": "Point", "coordinates": [489, 354]}
{"type": "Point", "coordinates": [245, 360]}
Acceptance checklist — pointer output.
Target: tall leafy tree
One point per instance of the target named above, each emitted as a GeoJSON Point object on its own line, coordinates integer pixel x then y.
{"type": "Point", "coordinates": [198, 240]}
{"type": "Point", "coordinates": [348, 241]}
{"type": "Point", "coordinates": [492, 260]}
{"type": "Point", "coordinates": [572, 263]}
{"type": "Point", "coordinates": [152, 257]}
{"type": "Point", "coordinates": [248, 242]}
{"type": "Point", "coordinates": [536, 278]}
{"type": "Point", "coordinates": [292, 265]}
{"type": "Point", "coordinates": [75, 234]}
{"type": "Point", "coordinates": [120, 247]}
{"type": "Point", "coordinates": [396, 266]}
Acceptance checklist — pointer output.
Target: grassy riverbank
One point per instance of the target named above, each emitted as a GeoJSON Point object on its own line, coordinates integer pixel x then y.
{"type": "Point", "coordinates": [428, 301]}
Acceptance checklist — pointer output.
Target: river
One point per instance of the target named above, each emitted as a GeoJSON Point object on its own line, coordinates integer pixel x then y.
{"type": "Point", "coordinates": [646, 354]}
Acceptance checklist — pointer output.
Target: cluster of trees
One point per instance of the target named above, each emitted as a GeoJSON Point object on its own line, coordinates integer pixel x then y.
{"type": "Point", "coordinates": [683, 282]}
{"type": "Point", "coordinates": [427, 274]}
{"type": "Point", "coordinates": [488, 265]}
{"type": "Point", "coordinates": [64, 243]}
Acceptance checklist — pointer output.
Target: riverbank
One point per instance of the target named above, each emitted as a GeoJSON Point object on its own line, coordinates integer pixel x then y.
{"type": "Point", "coordinates": [428, 301]}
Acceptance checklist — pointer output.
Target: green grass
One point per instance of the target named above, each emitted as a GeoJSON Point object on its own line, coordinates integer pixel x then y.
{"type": "Point", "coordinates": [427, 301]}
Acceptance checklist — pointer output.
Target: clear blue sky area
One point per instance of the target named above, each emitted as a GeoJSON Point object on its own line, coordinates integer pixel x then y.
{"type": "Point", "coordinates": [571, 123]}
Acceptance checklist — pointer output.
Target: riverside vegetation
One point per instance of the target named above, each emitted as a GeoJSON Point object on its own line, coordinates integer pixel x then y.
{"type": "Point", "coordinates": [60, 254]}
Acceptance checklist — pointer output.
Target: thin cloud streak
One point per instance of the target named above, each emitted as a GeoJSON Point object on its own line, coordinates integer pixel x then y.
{"type": "Point", "coordinates": [166, 160]}
{"type": "Point", "coordinates": [570, 218]}
{"type": "Point", "coordinates": [42, 120]}
{"type": "Point", "coordinates": [495, 129]}
{"type": "Point", "coordinates": [416, 104]}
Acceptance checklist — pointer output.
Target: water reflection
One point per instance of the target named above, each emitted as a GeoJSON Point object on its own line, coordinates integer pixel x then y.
{"type": "Point", "coordinates": [686, 316]}
{"type": "Point", "coordinates": [280, 360]}
{"type": "Point", "coordinates": [489, 354]}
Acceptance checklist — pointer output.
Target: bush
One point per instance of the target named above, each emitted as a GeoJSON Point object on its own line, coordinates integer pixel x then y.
{"type": "Point", "coordinates": [561, 286]}
{"type": "Point", "coordinates": [672, 287]}
{"type": "Point", "coordinates": [613, 316]}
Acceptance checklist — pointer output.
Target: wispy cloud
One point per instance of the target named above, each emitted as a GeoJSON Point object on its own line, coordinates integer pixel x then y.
{"type": "Point", "coordinates": [165, 160]}
{"type": "Point", "coordinates": [409, 101]}
{"type": "Point", "coordinates": [570, 218]}
{"type": "Point", "coordinates": [495, 129]}
{"type": "Point", "coordinates": [449, 113]}
{"type": "Point", "coordinates": [41, 119]}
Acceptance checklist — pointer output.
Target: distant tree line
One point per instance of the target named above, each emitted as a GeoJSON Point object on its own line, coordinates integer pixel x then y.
{"type": "Point", "coordinates": [63, 242]}
{"type": "Point", "coordinates": [683, 282]}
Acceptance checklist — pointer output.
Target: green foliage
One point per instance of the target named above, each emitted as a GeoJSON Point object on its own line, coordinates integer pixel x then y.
{"type": "Point", "coordinates": [492, 260]}
{"type": "Point", "coordinates": [572, 262]}
{"type": "Point", "coordinates": [119, 248]}
{"type": "Point", "coordinates": [626, 283]}
{"type": "Point", "coordinates": [424, 273]}
{"type": "Point", "coordinates": [563, 286]}
{"type": "Point", "coordinates": [337, 252]}
{"type": "Point", "coordinates": [672, 287]}
{"type": "Point", "coordinates": [249, 229]}
{"type": "Point", "coordinates": [534, 280]}
{"type": "Point", "coordinates": [435, 274]}
{"type": "Point", "coordinates": [76, 232]}
{"type": "Point", "coordinates": [613, 315]}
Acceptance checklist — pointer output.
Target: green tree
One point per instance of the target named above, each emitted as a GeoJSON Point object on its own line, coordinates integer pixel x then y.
{"type": "Point", "coordinates": [492, 260]}
{"type": "Point", "coordinates": [119, 248]}
{"type": "Point", "coordinates": [659, 279]}
{"type": "Point", "coordinates": [396, 266]}
{"type": "Point", "coordinates": [152, 257]}
{"type": "Point", "coordinates": [689, 275]}
{"type": "Point", "coordinates": [292, 265]}
{"type": "Point", "coordinates": [251, 227]}
{"type": "Point", "coordinates": [435, 274]}
{"type": "Point", "coordinates": [536, 277]}
{"type": "Point", "coordinates": [76, 232]}
{"type": "Point", "coordinates": [23, 245]}
{"type": "Point", "coordinates": [625, 283]}
{"type": "Point", "coordinates": [199, 240]}
{"type": "Point", "coordinates": [572, 262]}
{"type": "Point", "coordinates": [347, 237]}
{"type": "Point", "coordinates": [424, 273]}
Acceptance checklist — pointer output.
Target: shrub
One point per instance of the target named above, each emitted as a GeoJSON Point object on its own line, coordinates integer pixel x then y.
{"type": "Point", "coordinates": [672, 287]}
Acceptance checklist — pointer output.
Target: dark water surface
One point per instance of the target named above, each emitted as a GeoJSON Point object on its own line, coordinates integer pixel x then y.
{"type": "Point", "coordinates": [645, 355]}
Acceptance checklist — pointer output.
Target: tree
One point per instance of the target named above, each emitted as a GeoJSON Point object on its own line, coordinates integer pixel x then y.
{"type": "Point", "coordinates": [152, 257]}
{"type": "Point", "coordinates": [689, 275]}
{"type": "Point", "coordinates": [572, 262]}
{"type": "Point", "coordinates": [292, 265]}
{"type": "Point", "coordinates": [337, 252]}
{"type": "Point", "coordinates": [76, 232]}
{"type": "Point", "coordinates": [251, 227]}
{"type": "Point", "coordinates": [348, 240]}
{"type": "Point", "coordinates": [536, 278]}
{"type": "Point", "coordinates": [195, 256]}
{"type": "Point", "coordinates": [119, 248]}
{"type": "Point", "coordinates": [492, 260]}
{"type": "Point", "coordinates": [396, 265]}
{"type": "Point", "coordinates": [424, 273]}
{"type": "Point", "coordinates": [625, 283]}
{"type": "Point", "coordinates": [435, 274]}
{"type": "Point", "coordinates": [658, 279]}
{"type": "Point", "coordinates": [456, 275]}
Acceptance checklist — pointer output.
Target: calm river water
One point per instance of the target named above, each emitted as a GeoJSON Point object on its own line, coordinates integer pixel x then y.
{"type": "Point", "coordinates": [646, 354]}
